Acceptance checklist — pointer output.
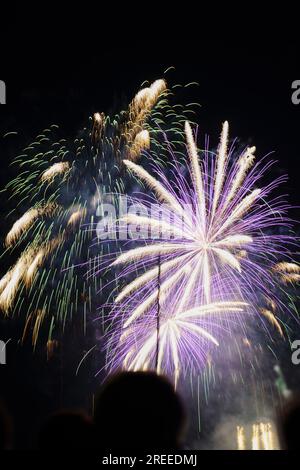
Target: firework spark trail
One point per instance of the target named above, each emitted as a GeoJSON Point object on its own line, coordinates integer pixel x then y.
{"type": "Point", "coordinates": [76, 217]}
{"type": "Point", "coordinates": [26, 221]}
{"type": "Point", "coordinates": [241, 440]}
{"type": "Point", "coordinates": [25, 270]}
{"type": "Point", "coordinates": [11, 282]}
{"type": "Point", "coordinates": [228, 256]}
{"type": "Point", "coordinates": [262, 436]}
{"type": "Point", "coordinates": [140, 143]}
{"type": "Point", "coordinates": [272, 319]}
{"type": "Point", "coordinates": [56, 169]}
{"type": "Point", "coordinates": [141, 107]}
{"type": "Point", "coordinates": [288, 272]}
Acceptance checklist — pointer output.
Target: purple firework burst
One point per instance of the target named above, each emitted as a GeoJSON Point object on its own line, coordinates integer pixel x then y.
{"type": "Point", "coordinates": [210, 251]}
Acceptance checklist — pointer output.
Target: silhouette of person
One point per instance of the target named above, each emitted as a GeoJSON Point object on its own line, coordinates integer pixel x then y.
{"type": "Point", "coordinates": [139, 410]}
{"type": "Point", "coordinates": [67, 430]}
{"type": "Point", "coordinates": [289, 423]}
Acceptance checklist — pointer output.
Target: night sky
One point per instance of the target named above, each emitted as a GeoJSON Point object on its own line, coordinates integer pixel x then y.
{"type": "Point", "coordinates": [250, 87]}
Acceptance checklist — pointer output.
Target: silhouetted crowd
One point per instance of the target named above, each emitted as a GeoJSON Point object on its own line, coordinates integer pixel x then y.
{"type": "Point", "coordinates": [133, 410]}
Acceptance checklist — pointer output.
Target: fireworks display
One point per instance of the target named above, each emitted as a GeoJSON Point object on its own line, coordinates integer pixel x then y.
{"type": "Point", "coordinates": [149, 259]}
{"type": "Point", "coordinates": [262, 437]}
{"type": "Point", "coordinates": [56, 194]}
{"type": "Point", "coordinates": [195, 277]}
{"type": "Point", "coordinates": [209, 256]}
{"type": "Point", "coordinates": [213, 244]}
{"type": "Point", "coordinates": [206, 249]}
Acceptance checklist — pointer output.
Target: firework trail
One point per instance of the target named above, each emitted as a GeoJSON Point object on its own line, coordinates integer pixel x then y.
{"type": "Point", "coordinates": [58, 189]}
{"type": "Point", "coordinates": [211, 243]}
{"type": "Point", "coordinates": [262, 437]}
{"type": "Point", "coordinates": [240, 436]}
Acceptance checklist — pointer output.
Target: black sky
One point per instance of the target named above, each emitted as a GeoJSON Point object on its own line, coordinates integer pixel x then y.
{"type": "Point", "coordinates": [249, 86]}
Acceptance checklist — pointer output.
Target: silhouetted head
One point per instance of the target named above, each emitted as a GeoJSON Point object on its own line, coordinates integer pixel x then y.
{"type": "Point", "coordinates": [5, 429]}
{"type": "Point", "coordinates": [139, 410]}
{"type": "Point", "coordinates": [67, 430]}
{"type": "Point", "coordinates": [289, 425]}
